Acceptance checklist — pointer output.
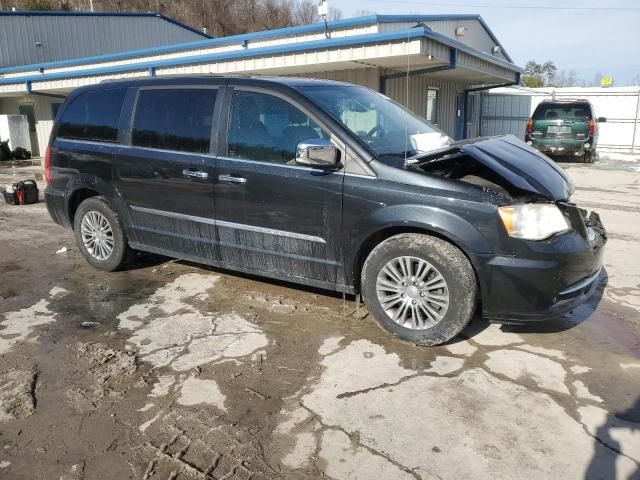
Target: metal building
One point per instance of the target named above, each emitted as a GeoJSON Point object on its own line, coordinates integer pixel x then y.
{"type": "Point", "coordinates": [435, 64]}
{"type": "Point", "coordinates": [39, 37]}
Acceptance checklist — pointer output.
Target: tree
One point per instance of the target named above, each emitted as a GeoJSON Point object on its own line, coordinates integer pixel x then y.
{"type": "Point", "coordinates": [564, 78]}
{"type": "Point", "coordinates": [38, 5]}
{"type": "Point", "coordinates": [305, 12]}
{"type": "Point", "coordinates": [538, 74]}
{"type": "Point", "coordinates": [335, 14]}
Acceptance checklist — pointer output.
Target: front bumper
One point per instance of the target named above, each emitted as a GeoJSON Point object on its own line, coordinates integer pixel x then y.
{"type": "Point", "coordinates": [544, 279]}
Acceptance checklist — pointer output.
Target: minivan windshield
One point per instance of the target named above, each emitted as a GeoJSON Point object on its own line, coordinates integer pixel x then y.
{"type": "Point", "coordinates": [389, 129]}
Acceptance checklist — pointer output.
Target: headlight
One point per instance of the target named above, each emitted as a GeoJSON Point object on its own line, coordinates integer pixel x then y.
{"type": "Point", "coordinates": [533, 221]}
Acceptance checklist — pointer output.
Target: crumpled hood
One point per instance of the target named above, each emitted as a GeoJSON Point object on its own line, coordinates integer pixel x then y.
{"type": "Point", "coordinates": [521, 165]}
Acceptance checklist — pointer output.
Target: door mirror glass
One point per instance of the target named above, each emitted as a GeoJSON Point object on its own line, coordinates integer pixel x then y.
{"type": "Point", "coordinates": [317, 153]}
{"type": "Point", "coordinates": [602, 119]}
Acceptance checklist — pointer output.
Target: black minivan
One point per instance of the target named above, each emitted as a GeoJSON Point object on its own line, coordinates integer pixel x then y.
{"type": "Point", "coordinates": [326, 184]}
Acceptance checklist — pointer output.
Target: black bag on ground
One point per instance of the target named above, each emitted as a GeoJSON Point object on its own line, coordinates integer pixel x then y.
{"type": "Point", "coordinates": [24, 192]}
{"type": "Point", "coordinates": [27, 192]}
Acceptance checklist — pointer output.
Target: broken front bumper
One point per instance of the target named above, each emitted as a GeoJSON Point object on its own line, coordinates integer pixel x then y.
{"type": "Point", "coordinates": [544, 279]}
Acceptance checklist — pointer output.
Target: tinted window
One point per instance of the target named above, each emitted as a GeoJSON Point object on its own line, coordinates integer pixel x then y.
{"type": "Point", "coordinates": [174, 119]}
{"type": "Point", "coordinates": [563, 111]}
{"type": "Point", "coordinates": [93, 116]}
{"type": "Point", "coordinates": [267, 128]}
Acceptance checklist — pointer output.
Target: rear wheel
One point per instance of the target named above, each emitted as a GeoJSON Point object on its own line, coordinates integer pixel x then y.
{"type": "Point", "coordinates": [419, 288]}
{"type": "Point", "coordinates": [100, 236]}
{"type": "Point", "coordinates": [589, 157]}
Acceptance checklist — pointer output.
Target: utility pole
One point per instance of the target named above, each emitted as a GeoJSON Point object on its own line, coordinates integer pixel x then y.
{"type": "Point", "coordinates": [91, 5]}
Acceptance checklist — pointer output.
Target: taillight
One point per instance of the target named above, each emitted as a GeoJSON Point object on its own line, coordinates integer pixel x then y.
{"type": "Point", "coordinates": [592, 127]}
{"type": "Point", "coordinates": [530, 126]}
{"type": "Point", "coordinates": [47, 165]}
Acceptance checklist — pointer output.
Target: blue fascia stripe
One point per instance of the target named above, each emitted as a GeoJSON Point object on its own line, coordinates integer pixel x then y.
{"type": "Point", "coordinates": [239, 39]}
{"type": "Point", "coordinates": [407, 34]}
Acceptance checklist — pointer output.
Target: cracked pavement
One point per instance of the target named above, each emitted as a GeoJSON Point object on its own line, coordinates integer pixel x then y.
{"type": "Point", "coordinates": [171, 370]}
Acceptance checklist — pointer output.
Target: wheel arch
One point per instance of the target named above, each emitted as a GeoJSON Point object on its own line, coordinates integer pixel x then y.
{"type": "Point", "coordinates": [379, 236]}
{"type": "Point", "coordinates": [76, 197]}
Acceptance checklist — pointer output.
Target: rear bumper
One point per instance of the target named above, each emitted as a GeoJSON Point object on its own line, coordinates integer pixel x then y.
{"type": "Point", "coordinates": [562, 147]}
{"type": "Point", "coordinates": [556, 277]}
{"type": "Point", "coordinates": [56, 206]}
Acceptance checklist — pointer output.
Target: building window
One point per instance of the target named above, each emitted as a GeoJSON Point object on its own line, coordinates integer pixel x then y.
{"type": "Point", "coordinates": [178, 120]}
{"type": "Point", "coordinates": [432, 105]}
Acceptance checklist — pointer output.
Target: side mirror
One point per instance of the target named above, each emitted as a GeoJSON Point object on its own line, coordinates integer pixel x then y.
{"type": "Point", "coordinates": [317, 153]}
{"type": "Point", "coordinates": [602, 120]}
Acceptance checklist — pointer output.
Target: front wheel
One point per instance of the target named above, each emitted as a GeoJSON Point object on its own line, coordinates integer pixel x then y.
{"type": "Point", "coordinates": [100, 236]}
{"type": "Point", "coordinates": [419, 288]}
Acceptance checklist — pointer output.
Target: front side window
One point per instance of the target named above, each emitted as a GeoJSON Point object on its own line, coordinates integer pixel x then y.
{"type": "Point", "coordinates": [390, 130]}
{"type": "Point", "coordinates": [267, 128]}
{"type": "Point", "coordinates": [178, 120]}
{"type": "Point", "coordinates": [93, 116]}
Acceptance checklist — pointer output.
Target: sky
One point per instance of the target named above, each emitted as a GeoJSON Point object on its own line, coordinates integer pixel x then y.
{"type": "Point", "coordinates": [588, 36]}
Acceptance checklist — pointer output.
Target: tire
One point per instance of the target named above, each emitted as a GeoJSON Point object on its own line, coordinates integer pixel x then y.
{"type": "Point", "coordinates": [444, 259]}
{"type": "Point", "coordinates": [589, 157]}
{"type": "Point", "coordinates": [96, 211]}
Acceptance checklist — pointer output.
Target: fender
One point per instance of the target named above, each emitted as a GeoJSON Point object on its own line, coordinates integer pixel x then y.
{"type": "Point", "coordinates": [438, 221]}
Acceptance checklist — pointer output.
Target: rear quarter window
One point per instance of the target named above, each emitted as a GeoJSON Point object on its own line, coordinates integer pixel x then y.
{"type": "Point", "coordinates": [93, 116]}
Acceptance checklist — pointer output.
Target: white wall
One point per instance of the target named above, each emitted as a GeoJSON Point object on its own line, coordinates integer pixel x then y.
{"type": "Point", "coordinates": [43, 113]}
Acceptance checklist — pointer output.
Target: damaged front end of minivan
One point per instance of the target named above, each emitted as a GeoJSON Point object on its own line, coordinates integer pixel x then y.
{"type": "Point", "coordinates": [556, 247]}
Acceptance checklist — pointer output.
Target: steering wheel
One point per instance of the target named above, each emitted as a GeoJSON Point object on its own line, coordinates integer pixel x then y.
{"type": "Point", "coordinates": [377, 129]}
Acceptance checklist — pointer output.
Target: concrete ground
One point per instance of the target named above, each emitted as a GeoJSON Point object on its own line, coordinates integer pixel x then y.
{"type": "Point", "coordinates": [171, 370]}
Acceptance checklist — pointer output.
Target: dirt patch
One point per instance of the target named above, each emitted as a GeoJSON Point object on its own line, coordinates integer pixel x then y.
{"type": "Point", "coordinates": [107, 372]}
{"type": "Point", "coordinates": [17, 393]}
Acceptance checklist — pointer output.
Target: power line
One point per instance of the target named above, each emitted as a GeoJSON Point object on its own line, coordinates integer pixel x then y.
{"type": "Point", "coordinates": [519, 7]}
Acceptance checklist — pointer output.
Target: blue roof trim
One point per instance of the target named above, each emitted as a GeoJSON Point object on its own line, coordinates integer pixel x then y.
{"type": "Point", "coordinates": [240, 39]}
{"type": "Point", "coordinates": [64, 13]}
{"type": "Point", "coordinates": [411, 33]}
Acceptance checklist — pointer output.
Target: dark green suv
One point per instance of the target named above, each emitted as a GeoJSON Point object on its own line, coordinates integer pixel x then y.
{"type": "Point", "coordinates": [564, 127]}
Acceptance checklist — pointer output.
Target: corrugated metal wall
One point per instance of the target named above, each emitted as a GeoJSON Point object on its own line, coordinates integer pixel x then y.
{"type": "Point", "coordinates": [417, 99]}
{"type": "Point", "coordinates": [65, 37]}
{"type": "Point", "coordinates": [505, 114]}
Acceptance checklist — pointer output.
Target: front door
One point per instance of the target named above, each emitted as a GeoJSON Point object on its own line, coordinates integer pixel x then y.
{"type": "Point", "coordinates": [271, 214]}
{"type": "Point", "coordinates": [165, 173]}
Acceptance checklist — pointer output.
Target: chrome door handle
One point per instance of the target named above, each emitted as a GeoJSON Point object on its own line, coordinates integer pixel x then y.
{"type": "Point", "coordinates": [195, 174]}
{"type": "Point", "coordinates": [232, 179]}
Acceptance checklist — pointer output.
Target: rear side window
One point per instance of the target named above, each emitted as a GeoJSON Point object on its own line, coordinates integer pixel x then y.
{"type": "Point", "coordinates": [563, 111]}
{"type": "Point", "coordinates": [174, 119]}
{"type": "Point", "coordinates": [93, 116]}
